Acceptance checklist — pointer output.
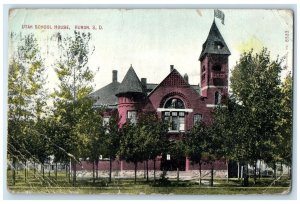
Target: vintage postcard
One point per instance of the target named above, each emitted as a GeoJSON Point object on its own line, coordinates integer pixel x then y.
{"type": "Point", "coordinates": [150, 101]}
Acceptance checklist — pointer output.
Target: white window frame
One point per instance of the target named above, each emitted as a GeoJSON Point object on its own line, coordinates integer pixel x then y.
{"type": "Point", "coordinates": [197, 120]}
{"type": "Point", "coordinates": [132, 117]}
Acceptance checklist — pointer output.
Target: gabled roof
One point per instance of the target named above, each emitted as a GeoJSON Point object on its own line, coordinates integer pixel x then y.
{"type": "Point", "coordinates": [214, 44]}
{"type": "Point", "coordinates": [106, 95]}
{"type": "Point", "coordinates": [130, 83]}
{"type": "Point", "coordinates": [174, 78]}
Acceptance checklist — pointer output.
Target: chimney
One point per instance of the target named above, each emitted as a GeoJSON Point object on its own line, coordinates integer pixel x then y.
{"type": "Point", "coordinates": [186, 78]}
{"type": "Point", "coordinates": [171, 68]}
{"type": "Point", "coordinates": [144, 83]}
{"type": "Point", "coordinates": [115, 76]}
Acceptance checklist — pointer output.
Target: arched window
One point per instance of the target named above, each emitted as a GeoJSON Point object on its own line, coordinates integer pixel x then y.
{"type": "Point", "coordinates": [176, 117]}
{"type": "Point", "coordinates": [174, 103]}
{"type": "Point", "coordinates": [217, 98]}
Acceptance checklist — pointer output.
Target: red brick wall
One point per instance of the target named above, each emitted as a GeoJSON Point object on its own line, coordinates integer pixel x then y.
{"type": "Point", "coordinates": [116, 165]}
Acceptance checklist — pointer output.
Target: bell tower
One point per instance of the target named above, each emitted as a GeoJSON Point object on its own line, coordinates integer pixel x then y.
{"type": "Point", "coordinates": [214, 67]}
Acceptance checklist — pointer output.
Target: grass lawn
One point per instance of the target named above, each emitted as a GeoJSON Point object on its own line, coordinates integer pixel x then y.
{"type": "Point", "coordinates": [38, 185]}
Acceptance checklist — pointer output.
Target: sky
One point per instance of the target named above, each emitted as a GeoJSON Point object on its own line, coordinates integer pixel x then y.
{"type": "Point", "coordinates": [153, 39]}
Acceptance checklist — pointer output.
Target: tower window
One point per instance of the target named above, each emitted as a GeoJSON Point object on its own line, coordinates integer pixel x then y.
{"type": "Point", "coordinates": [132, 117]}
{"type": "Point", "coordinates": [218, 82]}
{"type": "Point", "coordinates": [217, 98]}
{"type": "Point", "coordinates": [218, 45]}
{"type": "Point", "coordinates": [217, 67]}
{"type": "Point", "coordinates": [203, 68]}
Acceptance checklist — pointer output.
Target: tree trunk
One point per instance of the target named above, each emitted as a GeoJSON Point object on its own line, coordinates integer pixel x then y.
{"type": "Point", "coordinates": [177, 175]}
{"type": "Point", "coordinates": [56, 171]}
{"type": "Point", "coordinates": [25, 169]}
{"type": "Point", "coordinates": [259, 173]}
{"type": "Point", "coordinates": [200, 164]}
{"type": "Point", "coordinates": [135, 167]}
{"type": "Point", "coordinates": [110, 169]}
{"type": "Point", "coordinates": [144, 169]}
{"type": "Point", "coordinates": [254, 176]}
{"type": "Point", "coordinates": [97, 163]}
{"type": "Point", "coordinates": [49, 170]}
{"type": "Point", "coordinates": [70, 170]}
{"type": "Point", "coordinates": [275, 170]}
{"type": "Point", "coordinates": [227, 171]}
{"type": "Point", "coordinates": [93, 171]}
{"type": "Point", "coordinates": [147, 167]}
{"type": "Point", "coordinates": [43, 170]}
{"type": "Point", "coordinates": [34, 169]}
{"type": "Point", "coordinates": [281, 168]}
{"type": "Point", "coordinates": [66, 168]}
{"type": "Point", "coordinates": [74, 172]}
{"type": "Point", "coordinates": [212, 175]}
{"type": "Point", "coordinates": [154, 169]}
{"type": "Point", "coordinates": [238, 164]}
{"type": "Point", "coordinates": [14, 171]}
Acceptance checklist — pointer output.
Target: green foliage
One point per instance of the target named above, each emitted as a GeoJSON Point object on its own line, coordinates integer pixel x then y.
{"type": "Point", "coordinates": [93, 134]}
{"type": "Point", "coordinates": [285, 128]}
{"type": "Point", "coordinates": [196, 142]}
{"type": "Point", "coordinates": [72, 104]}
{"type": "Point", "coordinates": [132, 145]}
{"type": "Point", "coordinates": [255, 83]}
{"type": "Point", "coordinates": [26, 96]}
{"type": "Point", "coordinates": [177, 150]}
{"type": "Point", "coordinates": [153, 131]}
{"type": "Point", "coordinates": [72, 69]}
{"type": "Point", "coordinates": [112, 138]}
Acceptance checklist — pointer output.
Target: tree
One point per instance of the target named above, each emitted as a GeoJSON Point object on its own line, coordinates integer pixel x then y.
{"type": "Point", "coordinates": [196, 144]}
{"type": "Point", "coordinates": [132, 145]}
{"type": "Point", "coordinates": [26, 96]}
{"type": "Point", "coordinates": [285, 127]}
{"type": "Point", "coordinates": [177, 151]}
{"type": "Point", "coordinates": [112, 140]}
{"type": "Point", "coordinates": [153, 132]}
{"type": "Point", "coordinates": [229, 118]}
{"type": "Point", "coordinates": [93, 129]}
{"type": "Point", "coordinates": [255, 83]}
{"type": "Point", "coordinates": [72, 99]}
{"type": "Point", "coordinates": [215, 148]}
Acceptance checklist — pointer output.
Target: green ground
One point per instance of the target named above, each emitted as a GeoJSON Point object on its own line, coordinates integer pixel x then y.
{"type": "Point", "coordinates": [126, 186]}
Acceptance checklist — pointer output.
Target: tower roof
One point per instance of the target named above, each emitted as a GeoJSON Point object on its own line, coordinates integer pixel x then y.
{"type": "Point", "coordinates": [214, 43]}
{"type": "Point", "coordinates": [130, 83]}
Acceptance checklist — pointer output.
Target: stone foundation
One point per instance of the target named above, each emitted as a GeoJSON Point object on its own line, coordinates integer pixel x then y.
{"type": "Point", "coordinates": [183, 175]}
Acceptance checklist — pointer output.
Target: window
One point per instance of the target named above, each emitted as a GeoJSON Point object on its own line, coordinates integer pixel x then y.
{"type": "Point", "coordinates": [176, 118]}
{"type": "Point", "coordinates": [217, 67]}
{"type": "Point", "coordinates": [106, 120]}
{"type": "Point", "coordinates": [217, 98]}
{"type": "Point", "coordinates": [203, 77]}
{"type": "Point", "coordinates": [197, 118]}
{"type": "Point", "coordinates": [132, 116]}
{"type": "Point", "coordinates": [174, 103]}
{"type": "Point", "coordinates": [218, 45]}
